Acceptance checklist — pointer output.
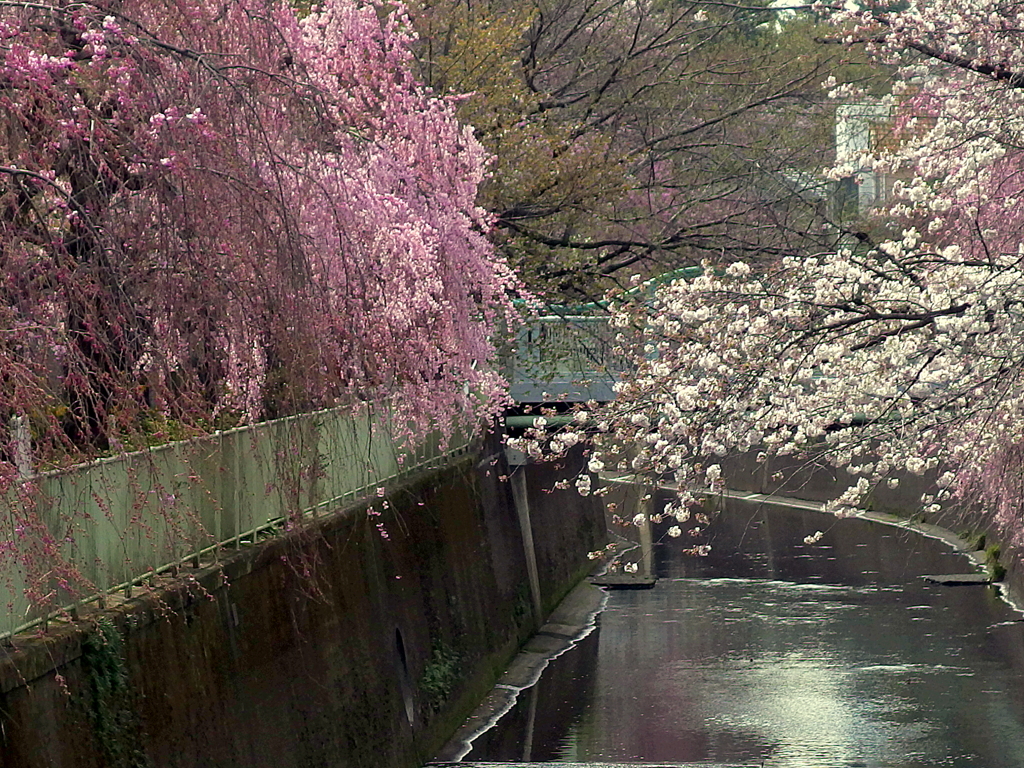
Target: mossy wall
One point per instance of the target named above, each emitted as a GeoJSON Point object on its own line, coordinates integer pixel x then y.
{"type": "Point", "coordinates": [331, 646]}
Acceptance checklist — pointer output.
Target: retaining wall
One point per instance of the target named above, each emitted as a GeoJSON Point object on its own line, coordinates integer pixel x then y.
{"type": "Point", "coordinates": [330, 646]}
{"type": "Point", "coordinates": [115, 520]}
{"type": "Point", "coordinates": [791, 477]}
{"type": "Point", "coordinates": [804, 479]}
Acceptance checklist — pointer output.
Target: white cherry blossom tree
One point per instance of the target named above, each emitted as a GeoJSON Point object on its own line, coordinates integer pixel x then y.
{"type": "Point", "coordinates": [897, 354]}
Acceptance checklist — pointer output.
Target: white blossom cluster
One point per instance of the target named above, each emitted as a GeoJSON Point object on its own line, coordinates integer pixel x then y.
{"type": "Point", "coordinates": [883, 363]}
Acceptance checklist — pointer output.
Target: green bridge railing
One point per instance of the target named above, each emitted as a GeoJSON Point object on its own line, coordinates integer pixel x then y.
{"type": "Point", "coordinates": [570, 358]}
{"type": "Point", "coordinates": [568, 353]}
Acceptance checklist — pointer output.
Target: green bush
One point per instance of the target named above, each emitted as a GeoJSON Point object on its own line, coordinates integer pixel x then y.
{"type": "Point", "coordinates": [440, 676]}
{"type": "Point", "coordinates": [996, 570]}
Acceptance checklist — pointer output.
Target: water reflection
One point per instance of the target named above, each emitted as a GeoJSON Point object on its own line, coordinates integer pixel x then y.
{"type": "Point", "coordinates": [835, 654]}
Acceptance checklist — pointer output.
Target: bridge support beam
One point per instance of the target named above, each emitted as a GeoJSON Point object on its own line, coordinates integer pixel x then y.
{"type": "Point", "coordinates": [522, 501]}
{"type": "Point", "coordinates": [645, 506]}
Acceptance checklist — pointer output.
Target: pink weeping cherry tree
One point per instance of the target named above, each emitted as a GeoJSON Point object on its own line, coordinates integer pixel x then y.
{"type": "Point", "coordinates": [213, 213]}
{"type": "Point", "coordinates": [232, 211]}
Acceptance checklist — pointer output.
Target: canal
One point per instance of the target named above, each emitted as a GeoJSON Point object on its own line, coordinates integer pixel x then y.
{"type": "Point", "coordinates": [770, 650]}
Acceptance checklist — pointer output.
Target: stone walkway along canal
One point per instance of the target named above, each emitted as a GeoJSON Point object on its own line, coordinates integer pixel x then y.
{"type": "Point", "coordinates": [777, 653]}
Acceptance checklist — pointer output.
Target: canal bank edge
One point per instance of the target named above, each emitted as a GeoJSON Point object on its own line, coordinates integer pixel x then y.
{"type": "Point", "coordinates": [789, 477]}
{"type": "Point", "coordinates": [1011, 587]}
{"type": "Point", "coordinates": [248, 662]}
{"type": "Point", "coordinates": [570, 622]}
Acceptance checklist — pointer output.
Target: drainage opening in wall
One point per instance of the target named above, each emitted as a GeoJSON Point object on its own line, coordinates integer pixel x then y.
{"type": "Point", "coordinates": [405, 684]}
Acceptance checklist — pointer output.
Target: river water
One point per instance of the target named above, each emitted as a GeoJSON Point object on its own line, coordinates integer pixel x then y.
{"type": "Point", "coordinates": [800, 656]}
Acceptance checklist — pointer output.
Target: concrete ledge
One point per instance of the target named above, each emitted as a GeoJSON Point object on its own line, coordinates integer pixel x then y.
{"type": "Point", "coordinates": [570, 622]}
{"type": "Point", "coordinates": [594, 765]}
{"type": "Point", "coordinates": [623, 581]}
{"type": "Point", "coordinates": [959, 579]}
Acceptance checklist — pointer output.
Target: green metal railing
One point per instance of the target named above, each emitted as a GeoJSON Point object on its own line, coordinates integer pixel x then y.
{"type": "Point", "coordinates": [123, 520]}
{"type": "Point", "coordinates": [564, 357]}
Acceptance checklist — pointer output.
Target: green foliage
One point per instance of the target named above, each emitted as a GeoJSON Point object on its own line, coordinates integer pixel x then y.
{"type": "Point", "coordinates": [634, 139]}
{"type": "Point", "coordinates": [975, 540]}
{"type": "Point", "coordinates": [996, 570]}
{"type": "Point", "coordinates": [108, 701]}
{"type": "Point", "coordinates": [440, 676]}
{"type": "Point", "coordinates": [522, 610]}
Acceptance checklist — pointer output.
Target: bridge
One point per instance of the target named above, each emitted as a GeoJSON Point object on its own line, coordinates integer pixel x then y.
{"type": "Point", "coordinates": [568, 353]}
{"type": "Point", "coordinates": [565, 355]}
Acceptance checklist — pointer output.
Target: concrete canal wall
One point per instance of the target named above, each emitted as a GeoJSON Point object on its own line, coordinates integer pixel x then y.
{"type": "Point", "coordinates": [792, 478]}
{"type": "Point", "coordinates": [788, 476]}
{"type": "Point", "coordinates": [331, 646]}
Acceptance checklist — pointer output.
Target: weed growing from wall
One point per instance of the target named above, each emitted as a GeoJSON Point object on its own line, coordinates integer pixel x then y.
{"type": "Point", "coordinates": [996, 570]}
{"type": "Point", "coordinates": [108, 700]}
{"type": "Point", "coordinates": [440, 676]}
